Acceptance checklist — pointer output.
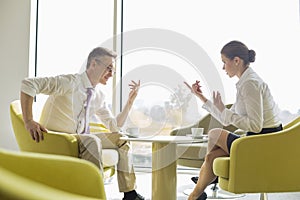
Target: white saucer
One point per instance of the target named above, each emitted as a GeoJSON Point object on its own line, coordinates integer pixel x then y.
{"type": "Point", "coordinates": [130, 135]}
{"type": "Point", "coordinates": [196, 137]}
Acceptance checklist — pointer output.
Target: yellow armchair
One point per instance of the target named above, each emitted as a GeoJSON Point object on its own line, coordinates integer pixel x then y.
{"type": "Point", "coordinates": [262, 163]}
{"type": "Point", "coordinates": [56, 142]}
{"type": "Point", "coordinates": [26, 175]}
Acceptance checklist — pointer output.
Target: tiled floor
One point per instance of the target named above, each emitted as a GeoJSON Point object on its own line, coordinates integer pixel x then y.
{"type": "Point", "coordinates": [184, 184]}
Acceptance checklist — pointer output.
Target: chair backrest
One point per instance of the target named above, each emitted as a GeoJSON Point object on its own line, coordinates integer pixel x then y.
{"type": "Point", "coordinates": [266, 162]}
{"type": "Point", "coordinates": [292, 123]}
{"type": "Point", "coordinates": [207, 122]}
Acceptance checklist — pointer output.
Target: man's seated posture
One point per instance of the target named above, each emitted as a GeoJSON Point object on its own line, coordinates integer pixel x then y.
{"type": "Point", "coordinates": [73, 99]}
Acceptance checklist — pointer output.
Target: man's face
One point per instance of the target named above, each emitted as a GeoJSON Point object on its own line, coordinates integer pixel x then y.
{"type": "Point", "coordinates": [105, 68]}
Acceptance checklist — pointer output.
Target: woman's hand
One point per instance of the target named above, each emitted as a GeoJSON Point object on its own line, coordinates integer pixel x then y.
{"type": "Point", "coordinates": [218, 101]}
{"type": "Point", "coordinates": [195, 88]}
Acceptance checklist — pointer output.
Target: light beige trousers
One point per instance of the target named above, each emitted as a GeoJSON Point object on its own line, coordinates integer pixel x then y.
{"type": "Point", "coordinates": [90, 148]}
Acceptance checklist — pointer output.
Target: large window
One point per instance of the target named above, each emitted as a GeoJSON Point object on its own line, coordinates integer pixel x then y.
{"type": "Point", "coordinates": [160, 40]}
{"type": "Point", "coordinates": [67, 31]}
{"type": "Point", "coordinates": [270, 28]}
{"type": "Point", "coordinates": [167, 42]}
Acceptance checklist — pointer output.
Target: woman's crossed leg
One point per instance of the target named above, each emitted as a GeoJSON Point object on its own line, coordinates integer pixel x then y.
{"type": "Point", "coordinates": [217, 147]}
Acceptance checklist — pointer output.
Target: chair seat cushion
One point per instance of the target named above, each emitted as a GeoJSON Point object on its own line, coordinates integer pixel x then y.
{"type": "Point", "coordinates": [110, 157]}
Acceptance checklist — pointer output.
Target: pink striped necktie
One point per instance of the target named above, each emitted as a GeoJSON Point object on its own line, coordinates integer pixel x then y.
{"type": "Point", "coordinates": [86, 129]}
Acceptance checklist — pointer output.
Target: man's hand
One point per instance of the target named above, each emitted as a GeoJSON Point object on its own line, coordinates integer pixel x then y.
{"type": "Point", "coordinates": [134, 91]}
{"type": "Point", "coordinates": [121, 118]}
{"type": "Point", "coordinates": [36, 130]}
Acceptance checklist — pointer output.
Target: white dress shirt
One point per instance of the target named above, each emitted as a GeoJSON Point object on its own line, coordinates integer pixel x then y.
{"type": "Point", "coordinates": [254, 108]}
{"type": "Point", "coordinates": [64, 108]}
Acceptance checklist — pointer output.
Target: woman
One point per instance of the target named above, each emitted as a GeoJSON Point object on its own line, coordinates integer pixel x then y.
{"type": "Point", "coordinates": [254, 111]}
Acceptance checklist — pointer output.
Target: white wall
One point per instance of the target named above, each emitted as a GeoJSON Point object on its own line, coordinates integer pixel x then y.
{"type": "Point", "coordinates": [14, 56]}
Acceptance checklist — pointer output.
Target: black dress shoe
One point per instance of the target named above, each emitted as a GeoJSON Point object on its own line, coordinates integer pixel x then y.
{"type": "Point", "coordinates": [203, 196]}
{"type": "Point", "coordinates": [137, 197]}
{"type": "Point", "coordinates": [195, 179]}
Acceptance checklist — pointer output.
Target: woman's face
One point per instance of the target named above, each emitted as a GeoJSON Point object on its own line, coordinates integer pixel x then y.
{"type": "Point", "coordinates": [230, 66]}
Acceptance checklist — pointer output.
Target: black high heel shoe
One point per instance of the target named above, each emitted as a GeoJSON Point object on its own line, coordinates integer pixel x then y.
{"type": "Point", "coordinates": [203, 196]}
{"type": "Point", "coordinates": [195, 180]}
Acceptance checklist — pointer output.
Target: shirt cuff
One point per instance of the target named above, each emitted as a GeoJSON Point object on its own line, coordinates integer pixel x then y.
{"type": "Point", "coordinates": [207, 106]}
{"type": "Point", "coordinates": [28, 90]}
{"type": "Point", "coordinates": [226, 116]}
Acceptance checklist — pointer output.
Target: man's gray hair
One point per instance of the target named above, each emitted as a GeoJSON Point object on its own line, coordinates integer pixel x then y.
{"type": "Point", "coordinates": [99, 52]}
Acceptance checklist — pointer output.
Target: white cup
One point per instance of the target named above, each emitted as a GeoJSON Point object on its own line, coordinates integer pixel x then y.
{"type": "Point", "coordinates": [133, 131]}
{"type": "Point", "coordinates": [197, 132]}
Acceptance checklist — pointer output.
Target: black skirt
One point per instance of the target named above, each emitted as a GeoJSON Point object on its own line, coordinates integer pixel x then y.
{"type": "Point", "coordinates": [231, 136]}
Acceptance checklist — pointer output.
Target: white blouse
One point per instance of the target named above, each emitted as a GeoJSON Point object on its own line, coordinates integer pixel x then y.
{"type": "Point", "coordinates": [254, 108]}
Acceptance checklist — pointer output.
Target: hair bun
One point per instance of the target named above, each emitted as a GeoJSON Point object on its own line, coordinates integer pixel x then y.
{"type": "Point", "coordinates": [251, 54]}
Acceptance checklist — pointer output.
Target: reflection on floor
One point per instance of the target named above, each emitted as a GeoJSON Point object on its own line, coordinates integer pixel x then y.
{"type": "Point", "coordinates": [184, 184]}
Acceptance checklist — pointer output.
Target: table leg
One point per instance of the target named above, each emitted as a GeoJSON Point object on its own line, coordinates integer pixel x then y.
{"type": "Point", "coordinates": [164, 174]}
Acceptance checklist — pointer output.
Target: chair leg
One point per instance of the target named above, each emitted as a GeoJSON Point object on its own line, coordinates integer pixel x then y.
{"type": "Point", "coordinates": [263, 196]}
{"type": "Point", "coordinates": [214, 190]}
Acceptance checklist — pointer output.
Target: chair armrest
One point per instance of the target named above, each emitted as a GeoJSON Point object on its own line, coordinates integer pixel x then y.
{"type": "Point", "coordinates": [55, 143]}
{"type": "Point", "coordinates": [292, 123]}
{"type": "Point", "coordinates": [14, 186]}
{"type": "Point", "coordinates": [221, 167]}
{"type": "Point", "coordinates": [62, 172]}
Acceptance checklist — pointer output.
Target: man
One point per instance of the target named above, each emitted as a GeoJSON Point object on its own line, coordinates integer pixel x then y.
{"type": "Point", "coordinates": [75, 98]}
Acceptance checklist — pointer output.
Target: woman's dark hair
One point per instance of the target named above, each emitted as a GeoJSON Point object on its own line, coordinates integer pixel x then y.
{"type": "Point", "coordinates": [238, 49]}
